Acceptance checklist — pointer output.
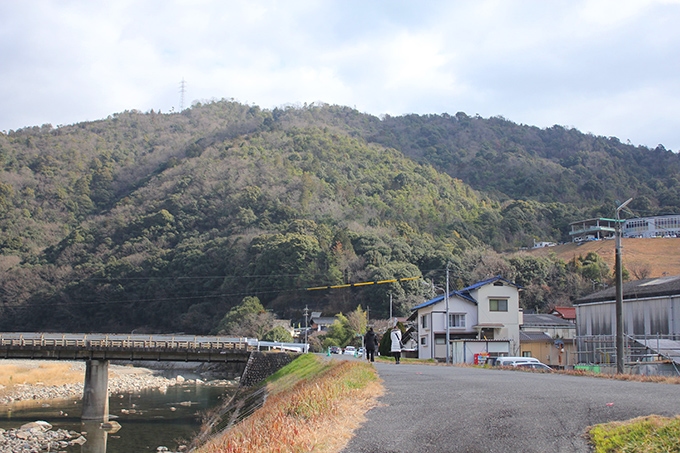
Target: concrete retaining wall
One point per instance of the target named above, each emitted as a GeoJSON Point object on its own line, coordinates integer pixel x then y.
{"type": "Point", "coordinates": [261, 365]}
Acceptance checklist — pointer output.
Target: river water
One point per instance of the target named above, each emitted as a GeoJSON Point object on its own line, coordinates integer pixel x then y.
{"type": "Point", "coordinates": [148, 419]}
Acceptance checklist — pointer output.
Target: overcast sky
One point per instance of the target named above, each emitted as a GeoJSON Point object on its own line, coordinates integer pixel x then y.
{"type": "Point", "coordinates": [607, 67]}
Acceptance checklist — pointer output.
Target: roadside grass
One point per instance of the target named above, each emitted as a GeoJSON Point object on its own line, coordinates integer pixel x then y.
{"type": "Point", "coordinates": [652, 434]}
{"type": "Point", "coordinates": [390, 359]}
{"type": "Point", "coordinates": [312, 405]}
{"type": "Point", "coordinates": [47, 373]}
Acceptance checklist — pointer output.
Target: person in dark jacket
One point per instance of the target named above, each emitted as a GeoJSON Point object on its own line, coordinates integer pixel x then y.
{"type": "Point", "coordinates": [370, 343]}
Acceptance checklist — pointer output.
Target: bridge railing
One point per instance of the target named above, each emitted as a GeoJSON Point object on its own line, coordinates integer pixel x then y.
{"type": "Point", "coordinates": [164, 342]}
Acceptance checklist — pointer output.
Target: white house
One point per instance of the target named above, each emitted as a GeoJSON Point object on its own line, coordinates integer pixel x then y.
{"type": "Point", "coordinates": [482, 318]}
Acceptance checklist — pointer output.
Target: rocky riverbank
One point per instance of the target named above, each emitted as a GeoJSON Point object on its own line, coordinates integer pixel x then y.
{"type": "Point", "coordinates": [121, 380]}
{"type": "Point", "coordinates": [40, 437]}
{"type": "Point", "coordinates": [36, 437]}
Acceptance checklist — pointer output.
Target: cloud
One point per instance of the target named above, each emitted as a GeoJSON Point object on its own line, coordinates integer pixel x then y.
{"type": "Point", "coordinates": [608, 67]}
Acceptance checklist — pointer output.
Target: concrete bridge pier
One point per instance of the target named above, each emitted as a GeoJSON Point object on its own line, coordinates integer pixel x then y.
{"type": "Point", "coordinates": [96, 391]}
{"type": "Point", "coordinates": [96, 437]}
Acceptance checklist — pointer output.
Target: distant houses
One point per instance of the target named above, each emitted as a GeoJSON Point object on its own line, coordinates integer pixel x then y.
{"type": "Point", "coordinates": [550, 339]}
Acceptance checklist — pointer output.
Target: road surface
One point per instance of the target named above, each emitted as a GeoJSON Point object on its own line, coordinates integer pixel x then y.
{"type": "Point", "coordinates": [436, 409]}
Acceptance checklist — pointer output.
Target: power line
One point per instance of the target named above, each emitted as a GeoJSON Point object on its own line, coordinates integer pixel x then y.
{"type": "Point", "coordinates": [210, 296]}
{"type": "Point", "coordinates": [354, 285]}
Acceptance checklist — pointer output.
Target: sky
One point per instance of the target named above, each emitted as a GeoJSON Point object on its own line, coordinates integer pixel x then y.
{"type": "Point", "coordinates": [609, 68]}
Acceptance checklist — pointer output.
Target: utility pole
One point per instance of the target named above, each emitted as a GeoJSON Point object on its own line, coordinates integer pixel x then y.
{"type": "Point", "coordinates": [619, 292]}
{"type": "Point", "coordinates": [446, 320]}
{"type": "Point", "coordinates": [391, 320]}
{"type": "Point", "coordinates": [306, 312]}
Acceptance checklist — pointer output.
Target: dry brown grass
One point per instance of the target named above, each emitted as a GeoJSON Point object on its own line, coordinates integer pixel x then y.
{"type": "Point", "coordinates": [675, 380]}
{"type": "Point", "coordinates": [660, 255]}
{"type": "Point", "coordinates": [45, 373]}
{"type": "Point", "coordinates": [315, 415]}
{"type": "Point", "coordinates": [625, 377]}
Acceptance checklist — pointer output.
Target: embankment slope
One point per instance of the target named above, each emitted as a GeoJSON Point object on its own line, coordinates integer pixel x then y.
{"type": "Point", "coordinates": [656, 257]}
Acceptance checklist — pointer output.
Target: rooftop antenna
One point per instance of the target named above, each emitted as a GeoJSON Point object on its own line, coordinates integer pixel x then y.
{"type": "Point", "coordinates": [182, 90]}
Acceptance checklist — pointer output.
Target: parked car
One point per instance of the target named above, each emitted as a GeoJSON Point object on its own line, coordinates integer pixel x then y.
{"type": "Point", "coordinates": [513, 361]}
{"type": "Point", "coordinates": [361, 352]}
{"type": "Point", "coordinates": [535, 366]}
{"type": "Point", "coordinates": [350, 350]}
{"type": "Point", "coordinates": [336, 350]}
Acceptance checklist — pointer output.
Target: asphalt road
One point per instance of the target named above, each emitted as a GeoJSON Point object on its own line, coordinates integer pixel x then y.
{"type": "Point", "coordinates": [455, 409]}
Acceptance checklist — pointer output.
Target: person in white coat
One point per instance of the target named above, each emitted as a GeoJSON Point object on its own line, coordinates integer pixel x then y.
{"type": "Point", "coordinates": [395, 337]}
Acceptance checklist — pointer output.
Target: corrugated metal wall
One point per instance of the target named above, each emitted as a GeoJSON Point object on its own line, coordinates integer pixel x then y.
{"type": "Point", "coordinates": [596, 324]}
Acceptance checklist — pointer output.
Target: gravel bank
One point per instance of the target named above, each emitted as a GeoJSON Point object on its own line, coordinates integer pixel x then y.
{"type": "Point", "coordinates": [122, 379]}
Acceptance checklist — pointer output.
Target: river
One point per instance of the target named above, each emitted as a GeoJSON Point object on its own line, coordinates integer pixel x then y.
{"type": "Point", "coordinates": [148, 419]}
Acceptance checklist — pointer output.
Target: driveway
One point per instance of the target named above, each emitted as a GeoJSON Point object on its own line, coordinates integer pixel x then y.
{"type": "Point", "coordinates": [456, 409]}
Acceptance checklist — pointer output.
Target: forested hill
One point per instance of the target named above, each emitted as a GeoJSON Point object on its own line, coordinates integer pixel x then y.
{"type": "Point", "coordinates": [163, 222]}
{"type": "Point", "coordinates": [555, 164]}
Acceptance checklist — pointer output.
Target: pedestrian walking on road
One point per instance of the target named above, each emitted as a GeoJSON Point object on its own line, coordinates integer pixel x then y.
{"type": "Point", "coordinates": [370, 343]}
{"type": "Point", "coordinates": [396, 346]}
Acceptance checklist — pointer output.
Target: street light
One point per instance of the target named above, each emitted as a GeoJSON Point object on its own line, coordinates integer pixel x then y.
{"type": "Point", "coordinates": [619, 292]}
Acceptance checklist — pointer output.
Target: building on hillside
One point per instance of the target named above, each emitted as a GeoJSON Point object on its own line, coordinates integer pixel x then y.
{"type": "Point", "coordinates": [538, 245]}
{"type": "Point", "coordinates": [550, 339]}
{"type": "Point", "coordinates": [483, 318]}
{"type": "Point", "coordinates": [592, 229]}
{"type": "Point", "coordinates": [651, 322]}
{"type": "Point", "coordinates": [650, 227]}
{"type": "Point", "coordinates": [319, 323]}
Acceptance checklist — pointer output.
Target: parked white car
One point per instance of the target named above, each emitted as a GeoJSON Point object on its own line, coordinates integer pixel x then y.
{"type": "Point", "coordinates": [514, 361]}
{"type": "Point", "coordinates": [535, 366]}
{"type": "Point", "coordinates": [350, 350]}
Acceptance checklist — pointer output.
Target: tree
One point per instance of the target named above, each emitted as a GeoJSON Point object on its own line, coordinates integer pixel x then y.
{"type": "Point", "coordinates": [346, 329]}
{"type": "Point", "coordinates": [641, 271]}
{"type": "Point", "coordinates": [338, 333]}
{"type": "Point", "coordinates": [248, 319]}
{"type": "Point", "coordinates": [357, 321]}
{"type": "Point", "coordinates": [278, 333]}
{"type": "Point", "coordinates": [594, 268]}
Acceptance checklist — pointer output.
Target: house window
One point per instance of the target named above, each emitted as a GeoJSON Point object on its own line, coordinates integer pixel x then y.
{"type": "Point", "coordinates": [423, 341]}
{"type": "Point", "coordinates": [526, 353]}
{"type": "Point", "coordinates": [457, 320]}
{"type": "Point", "coordinates": [498, 305]}
{"type": "Point", "coordinates": [423, 321]}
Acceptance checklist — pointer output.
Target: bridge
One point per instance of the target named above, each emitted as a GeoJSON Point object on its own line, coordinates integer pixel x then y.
{"type": "Point", "coordinates": [97, 349]}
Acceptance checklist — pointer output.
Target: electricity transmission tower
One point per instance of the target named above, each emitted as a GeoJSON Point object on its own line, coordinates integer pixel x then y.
{"type": "Point", "coordinates": [182, 90]}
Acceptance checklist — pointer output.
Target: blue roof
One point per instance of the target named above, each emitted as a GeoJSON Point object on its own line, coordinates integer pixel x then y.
{"type": "Point", "coordinates": [464, 293]}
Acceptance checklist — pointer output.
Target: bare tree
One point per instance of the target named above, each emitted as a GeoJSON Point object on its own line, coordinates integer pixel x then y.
{"type": "Point", "coordinates": [641, 271]}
